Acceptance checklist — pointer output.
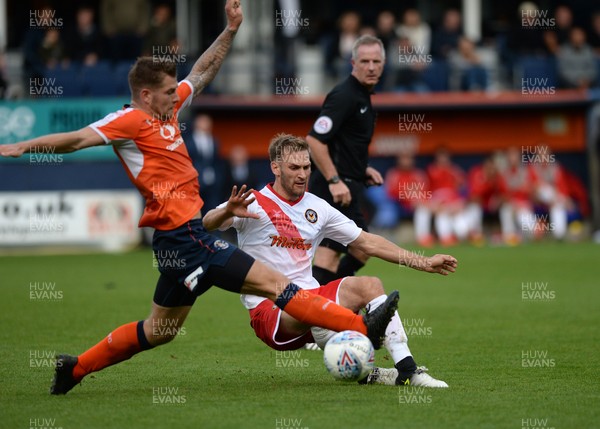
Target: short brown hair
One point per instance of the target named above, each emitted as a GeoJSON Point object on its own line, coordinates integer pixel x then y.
{"type": "Point", "coordinates": [285, 144]}
{"type": "Point", "coordinates": [148, 73]}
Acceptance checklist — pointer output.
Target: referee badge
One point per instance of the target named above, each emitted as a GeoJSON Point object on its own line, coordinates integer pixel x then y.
{"type": "Point", "coordinates": [311, 215]}
{"type": "Point", "coordinates": [323, 124]}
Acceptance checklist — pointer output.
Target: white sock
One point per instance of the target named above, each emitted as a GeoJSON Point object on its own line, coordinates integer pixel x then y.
{"type": "Point", "coordinates": [422, 221]}
{"type": "Point", "coordinates": [396, 341]}
{"type": "Point", "coordinates": [507, 223]}
{"type": "Point", "coordinates": [558, 220]}
{"type": "Point", "coordinates": [443, 226]}
{"type": "Point", "coordinates": [475, 216]}
{"type": "Point", "coordinates": [527, 221]}
{"type": "Point", "coordinates": [461, 225]}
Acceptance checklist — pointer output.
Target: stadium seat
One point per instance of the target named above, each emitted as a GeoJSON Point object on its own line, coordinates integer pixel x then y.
{"type": "Point", "coordinates": [436, 76]}
{"type": "Point", "coordinates": [120, 73]}
{"type": "Point", "coordinates": [66, 79]}
{"type": "Point", "coordinates": [540, 71]}
{"type": "Point", "coordinates": [98, 80]}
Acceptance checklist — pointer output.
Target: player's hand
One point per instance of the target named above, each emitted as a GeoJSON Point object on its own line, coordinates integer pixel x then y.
{"type": "Point", "coordinates": [441, 264]}
{"type": "Point", "coordinates": [374, 177]}
{"type": "Point", "coordinates": [12, 150]}
{"type": "Point", "coordinates": [340, 193]}
{"type": "Point", "coordinates": [238, 203]}
{"type": "Point", "coordinates": [233, 10]}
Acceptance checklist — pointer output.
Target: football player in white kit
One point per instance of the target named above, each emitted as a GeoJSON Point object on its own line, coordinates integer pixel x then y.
{"type": "Point", "coordinates": [282, 225]}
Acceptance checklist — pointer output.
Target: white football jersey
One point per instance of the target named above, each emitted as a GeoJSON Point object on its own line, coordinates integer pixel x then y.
{"type": "Point", "coordinates": [287, 234]}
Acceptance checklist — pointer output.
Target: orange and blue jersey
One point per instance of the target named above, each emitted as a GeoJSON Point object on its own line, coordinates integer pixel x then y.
{"type": "Point", "coordinates": [156, 160]}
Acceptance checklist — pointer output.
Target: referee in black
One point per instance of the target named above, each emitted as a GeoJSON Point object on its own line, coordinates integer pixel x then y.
{"type": "Point", "coordinates": [339, 144]}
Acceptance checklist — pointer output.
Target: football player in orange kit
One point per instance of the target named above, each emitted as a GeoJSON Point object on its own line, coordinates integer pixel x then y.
{"type": "Point", "coordinates": [146, 137]}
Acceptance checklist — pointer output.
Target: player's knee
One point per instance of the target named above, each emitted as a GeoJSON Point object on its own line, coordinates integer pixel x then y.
{"type": "Point", "coordinates": [357, 292]}
{"type": "Point", "coordinates": [373, 286]}
{"type": "Point", "coordinates": [377, 285]}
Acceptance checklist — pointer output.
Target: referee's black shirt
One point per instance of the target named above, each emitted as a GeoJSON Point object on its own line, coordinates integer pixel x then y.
{"type": "Point", "coordinates": [346, 124]}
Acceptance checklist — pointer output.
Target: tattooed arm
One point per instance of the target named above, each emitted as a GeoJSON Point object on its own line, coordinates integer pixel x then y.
{"type": "Point", "coordinates": [210, 61]}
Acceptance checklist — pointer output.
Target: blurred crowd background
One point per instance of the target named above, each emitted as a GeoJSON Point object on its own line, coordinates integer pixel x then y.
{"type": "Point", "coordinates": [87, 48]}
{"type": "Point", "coordinates": [429, 44]}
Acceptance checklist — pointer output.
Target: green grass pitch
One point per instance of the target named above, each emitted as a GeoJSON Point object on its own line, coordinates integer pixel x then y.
{"type": "Point", "coordinates": [515, 332]}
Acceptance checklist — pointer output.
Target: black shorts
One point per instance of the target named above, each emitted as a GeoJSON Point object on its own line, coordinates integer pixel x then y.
{"type": "Point", "coordinates": [191, 260]}
{"type": "Point", "coordinates": [319, 186]}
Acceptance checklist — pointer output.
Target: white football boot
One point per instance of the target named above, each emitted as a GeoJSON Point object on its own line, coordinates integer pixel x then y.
{"type": "Point", "coordinates": [388, 377]}
{"type": "Point", "coordinates": [421, 379]}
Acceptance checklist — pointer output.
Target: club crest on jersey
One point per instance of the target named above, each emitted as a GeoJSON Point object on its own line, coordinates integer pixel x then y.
{"type": "Point", "coordinates": [311, 215]}
{"type": "Point", "coordinates": [220, 244]}
{"type": "Point", "coordinates": [167, 131]}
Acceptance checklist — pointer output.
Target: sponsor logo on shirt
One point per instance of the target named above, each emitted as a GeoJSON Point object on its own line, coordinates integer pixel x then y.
{"type": "Point", "coordinates": [289, 242]}
{"type": "Point", "coordinates": [363, 109]}
{"type": "Point", "coordinates": [175, 145]}
{"type": "Point", "coordinates": [167, 132]}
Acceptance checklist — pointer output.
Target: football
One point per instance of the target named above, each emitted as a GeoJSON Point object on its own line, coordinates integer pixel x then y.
{"type": "Point", "coordinates": [349, 356]}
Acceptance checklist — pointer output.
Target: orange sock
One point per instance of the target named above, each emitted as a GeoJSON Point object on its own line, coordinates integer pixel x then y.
{"type": "Point", "coordinates": [316, 310]}
{"type": "Point", "coordinates": [119, 345]}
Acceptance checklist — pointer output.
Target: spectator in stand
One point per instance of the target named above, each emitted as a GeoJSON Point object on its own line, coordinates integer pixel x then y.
{"type": "Point", "coordinates": [408, 187]}
{"type": "Point", "coordinates": [124, 24]}
{"type": "Point", "coordinates": [467, 71]}
{"type": "Point", "coordinates": [413, 47]}
{"type": "Point", "coordinates": [239, 171]}
{"type": "Point", "coordinates": [162, 34]}
{"type": "Point", "coordinates": [85, 41]}
{"type": "Point", "coordinates": [445, 38]}
{"type": "Point", "coordinates": [446, 181]}
{"type": "Point", "coordinates": [577, 66]}
{"type": "Point", "coordinates": [483, 197]}
{"type": "Point", "coordinates": [525, 38]}
{"type": "Point", "coordinates": [338, 49]}
{"type": "Point", "coordinates": [560, 34]}
{"type": "Point", "coordinates": [552, 192]}
{"type": "Point", "coordinates": [385, 30]}
{"type": "Point", "coordinates": [518, 184]}
{"type": "Point", "coordinates": [52, 50]}
{"type": "Point", "coordinates": [594, 33]}
{"type": "Point", "coordinates": [407, 73]}
{"type": "Point", "coordinates": [203, 148]}
{"type": "Point", "coordinates": [416, 31]}
{"type": "Point", "coordinates": [285, 39]}
{"type": "Point", "coordinates": [33, 63]}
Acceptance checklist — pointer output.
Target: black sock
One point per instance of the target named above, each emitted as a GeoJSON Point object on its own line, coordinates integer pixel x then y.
{"type": "Point", "coordinates": [349, 265]}
{"type": "Point", "coordinates": [323, 275]}
{"type": "Point", "coordinates": [406, 368]}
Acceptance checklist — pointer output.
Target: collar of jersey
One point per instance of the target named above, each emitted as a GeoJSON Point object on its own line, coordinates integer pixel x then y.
{"type": "Point", "coordinates": [285, 200]}
{"type": "Point", "coordinates": [361, 86]}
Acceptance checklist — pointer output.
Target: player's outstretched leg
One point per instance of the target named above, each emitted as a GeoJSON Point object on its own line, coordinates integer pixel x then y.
{"type": "Point", "coordinates": [121, 344]}
{"type": "Point", "coordinates": [315, 310]}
